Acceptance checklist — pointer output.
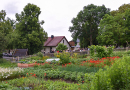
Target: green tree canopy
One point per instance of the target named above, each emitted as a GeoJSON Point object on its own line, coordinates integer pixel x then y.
{"type": "Point", "coordinates": [113, 29]}
{"type": "Point", "coordinates": [31, 34]}
{"type": "Point", "coordinates": [5, 30]}
{"type": "Point", "coordinates": [85, 25]}
{"type": "Point", "coordinates": [62, 47]}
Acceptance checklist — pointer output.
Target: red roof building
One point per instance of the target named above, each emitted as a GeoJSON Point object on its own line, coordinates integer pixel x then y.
{"type": "Point", "coordinates": [53, 41]}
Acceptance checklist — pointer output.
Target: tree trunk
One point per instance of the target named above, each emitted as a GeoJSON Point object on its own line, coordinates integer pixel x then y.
{"type": "Point", "coordinates": [91, 41]}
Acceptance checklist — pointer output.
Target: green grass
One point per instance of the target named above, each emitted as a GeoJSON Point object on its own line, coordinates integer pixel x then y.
{"type": "Point", "coordinates": [76, 68]}
{"type": "Point", "coordinates": [5, 63]}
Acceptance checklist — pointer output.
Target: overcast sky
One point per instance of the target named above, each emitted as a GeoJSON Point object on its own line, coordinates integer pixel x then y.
{"type": "Point", "coordinates": [57, 14]}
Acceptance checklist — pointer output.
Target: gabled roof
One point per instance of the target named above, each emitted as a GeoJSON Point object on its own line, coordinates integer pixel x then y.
{"type": "Point", "coordinates": [54, 41]}
{"type": "Point", "coordinates": [20, 52]}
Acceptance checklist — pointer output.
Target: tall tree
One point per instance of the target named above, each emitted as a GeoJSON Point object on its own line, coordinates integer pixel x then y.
{"type": "Point", "coordinates": [113, 29]}
{"type": "Point", "coordinates": [5, 29]}
{"type": "Point", "coordinates": [31, 34]}
{"type": "Point", "coordinates": [85, 25]}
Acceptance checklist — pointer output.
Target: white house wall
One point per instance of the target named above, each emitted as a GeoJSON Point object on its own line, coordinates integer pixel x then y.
{"type": "Point", "coordinates": [65, 43]}
{"type": "Point", "coordinates": [47, 49]}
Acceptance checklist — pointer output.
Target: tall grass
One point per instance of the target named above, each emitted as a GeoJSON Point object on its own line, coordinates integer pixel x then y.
{"type": "Point", "coordinates": [5, 63]}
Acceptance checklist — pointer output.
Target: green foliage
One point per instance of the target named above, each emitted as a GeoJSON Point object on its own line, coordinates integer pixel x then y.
{"type": "Point", "coordinates": [77, 68]}
{"type": "Point", "coordinates": [31, 34]}
{"type": "Point", "coordinates": [3, 42]}
{"type": "Point", "coordinates": [4, 63]}
{"type": "Point", "coordinates": [92, 49]}
{"type": "Point", "coordinates": [64, 58]}
{"type": "Point", "coordinates": [110, 25]}
{"type": "Point", "coordinates": [116, 77]}
{"type": "Point", "coordinates": [61, 47]}
{"type": "Point", "coordinates": [39, 84]}
{"type": "Point", "coordinates": [40, 54]}
{"type": "Point", "coordinates": [85, 25]}
{"type": "Point", "coordinates": [119, 53]}
{"type": "Point", "coordinates": [5, 29]}
{"type": "Point", "coordinates": [101, 51]}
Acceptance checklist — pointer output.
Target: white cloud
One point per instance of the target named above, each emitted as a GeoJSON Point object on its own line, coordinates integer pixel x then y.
{"type": "Point", "coordinates": [57, 14]}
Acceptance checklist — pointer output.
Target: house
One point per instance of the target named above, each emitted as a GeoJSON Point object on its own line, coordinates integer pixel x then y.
{"type": "Point", "coordinates": [20, 52]}
{"type": "Point", "coordinates": [72, 44]}
{"type": "Point", "coordinates": [53, 41]}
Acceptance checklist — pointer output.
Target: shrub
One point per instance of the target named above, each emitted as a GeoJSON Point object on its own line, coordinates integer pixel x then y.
{"type": "Point", "coordinates": [101, 51]}
{"type": "Point", "coordinates": [64, 58]}
{"type": "Point", "coordinates": [116, 77]}
{"type": "Point", "coordinates": [75, 55]}
{"type": "Point", "coordinates": [57, 55]}
{"type": "Point", "coordinates": [92, 49]}
{"type": "Point", "coordinates": [39, 54]}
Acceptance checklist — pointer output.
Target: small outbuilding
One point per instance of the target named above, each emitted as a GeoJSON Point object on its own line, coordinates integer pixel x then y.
{"type": "Point", "coordinates": [20, 52]}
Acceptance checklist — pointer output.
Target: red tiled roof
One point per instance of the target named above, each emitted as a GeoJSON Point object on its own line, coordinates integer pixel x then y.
{"type": "Point", "coordinates": [53, 41]}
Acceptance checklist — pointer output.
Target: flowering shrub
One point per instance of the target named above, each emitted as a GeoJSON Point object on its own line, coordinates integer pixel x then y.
{"type": "Point", "coordinates": [100, 62]}
{"type": "Point", "coordinates": [57, 54]}
{"type": "Point", "coordinates": [9, 73]}
{"type": "Point", "coordinates": [115, 78]}
{"type": "Point", "coordinates": [64, 58]}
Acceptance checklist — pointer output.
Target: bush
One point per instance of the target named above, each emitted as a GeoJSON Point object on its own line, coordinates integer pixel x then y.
{"type": "Point", "coordinates": [92, 50]}
{"type": "Point", "coordinates": [39, 54]}
{"type": "Point", "coordinates": [101, 51]}
{"type": "Point", "coordinates": [116, 77]}
{"type": "Point", "coordinates": [64, 58]}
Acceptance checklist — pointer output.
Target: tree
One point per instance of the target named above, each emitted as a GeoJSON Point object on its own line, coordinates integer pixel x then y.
{"type": "Point", "coordinates": [31, 34]}
{"type": "Point", "coordinates": [3, 42]}
{"type": "Point", "coordinates": [127, 25]}
{"type": "Point", "coordinates": [5, 30]}
{"type": "Point", "coordinates": [62, 47]}
{"type": "Point", "coordinates": [112, 28]}
{"type": "Point", "coordinates": [85, 25]}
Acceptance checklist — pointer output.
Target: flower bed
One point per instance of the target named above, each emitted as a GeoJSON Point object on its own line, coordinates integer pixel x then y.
{"type": "Point", "coordinates": [100, 62]}
{"type": "Point", "coordinates": [9, 73]}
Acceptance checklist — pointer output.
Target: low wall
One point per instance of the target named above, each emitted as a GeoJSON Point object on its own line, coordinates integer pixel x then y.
{"type": "Point", "coordinates": [71, 53]}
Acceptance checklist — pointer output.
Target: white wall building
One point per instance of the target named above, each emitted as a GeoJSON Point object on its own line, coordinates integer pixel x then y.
{"type": "Point", "coordinates": [53, 41]}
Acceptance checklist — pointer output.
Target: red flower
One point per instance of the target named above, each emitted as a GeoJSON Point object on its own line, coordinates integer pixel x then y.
{"type": "Point", "coordinates": [44, 74]}
{"type": "Point", "coordinates": [82, 81]}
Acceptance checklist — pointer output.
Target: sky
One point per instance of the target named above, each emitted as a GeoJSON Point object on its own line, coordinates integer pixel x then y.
{"type": "Point", "coordinates": [57, 14]}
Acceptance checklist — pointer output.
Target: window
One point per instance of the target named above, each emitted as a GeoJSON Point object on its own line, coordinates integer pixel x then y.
{"type": "Point", "coordinates": [63, 41]}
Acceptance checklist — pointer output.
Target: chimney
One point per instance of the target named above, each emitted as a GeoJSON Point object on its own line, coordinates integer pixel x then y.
{"type": "Point", "coordinates": [52, 36]}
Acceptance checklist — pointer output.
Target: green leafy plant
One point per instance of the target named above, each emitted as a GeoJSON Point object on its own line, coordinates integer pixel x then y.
{"type": "Point", "coordinates": [61, 47]}
{"type": "Point", "coordinates": [92, 50]}
{"type": "Point", "coordinates": [39, 54]}
{"type": "Point", "coordinates": [65, 58]}
{"type": "Point", "coordinates": [101, 51]}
